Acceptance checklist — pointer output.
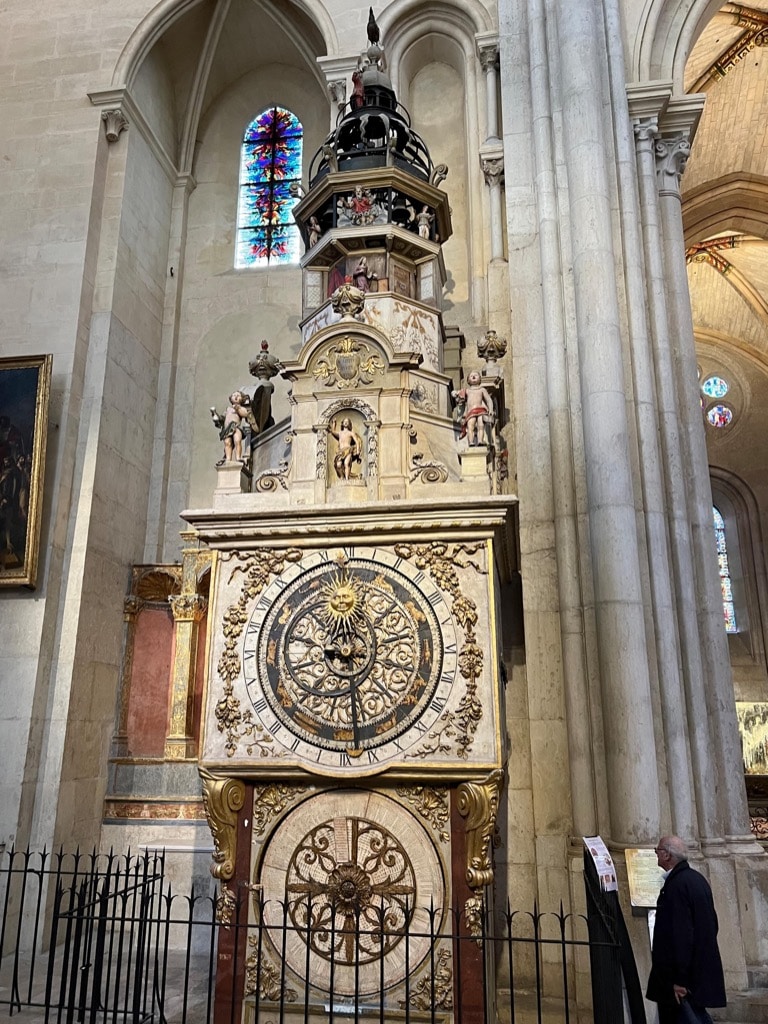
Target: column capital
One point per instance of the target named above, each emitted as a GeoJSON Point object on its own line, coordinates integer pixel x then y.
{"type": "Point", "coordinates": [493, 169]}
{"type": "Point", "coordinates": [648, 99]}
{"type": "Point", "coordinates": [188, 607]}
{"type": "Point", "coordinates": [671, 157]}
{"type": "Point", "coordinates": [646, 130]}
{"type": "Point", "coordinates": [489, 55]}
{"type": "Point", "coordinates": [487, 44]}
{"type": "Point", "coordinates": [115, 122]}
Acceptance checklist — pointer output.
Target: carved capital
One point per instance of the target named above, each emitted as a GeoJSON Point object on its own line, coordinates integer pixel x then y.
{"type": "Point", "coordinates": [671, 157]}
{"type": "Point", "coordinates": [114, 123]}
{"type": "Point", "coordinates": [493, 171]}
{"type": "Point", "coordinates": [222, 799]}
{"type": "Point", "coordinates": [131, 607]}
{"type": "Point", "coordinates": [478, 802]}
{"type": "Point", "coordinates": [188, 607]}
{"type": "Point", "coordinates": [646, 131]}
{"type": "Point", "coordinates": [489, 55]}
{"type": "Point", "coordinates": [338, 91]}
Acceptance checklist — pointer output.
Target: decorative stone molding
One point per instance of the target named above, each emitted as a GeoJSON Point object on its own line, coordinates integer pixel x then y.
{"type": "Point", "coordinates": [114, 123]}
{"type": "Point", "coordinates": [671, 158]}
{"type": "Point", "coordinates": [489, 56]}
{"type": "Point", "coordinates": [222, 799]}
{"type": "Point", "coordinates": [478, 802]}
{"type": "Point", "coordinates": [646, 131]}
{"type": "Point", "coordinates": [430, 472]}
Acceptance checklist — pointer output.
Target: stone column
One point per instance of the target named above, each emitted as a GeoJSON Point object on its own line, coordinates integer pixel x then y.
{"type": "Point", "coordinates": [188, 609]}
{"type": "Point", "coordinates": [677, 648]}
{"type": "Point", "coordinates": [632, 773]}
{"type": "Point", "coordinates": [712, 713]}
{"type": "Point", "coordinates": [131, 609]}
{"type": "Point", "coordinates": [569, 582]}
{"type": "Point", "coordinates": [493, 172]}
{"type": "Point", "coordinates": [488, 53]}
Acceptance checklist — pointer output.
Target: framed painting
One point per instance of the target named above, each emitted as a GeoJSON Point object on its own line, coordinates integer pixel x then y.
{"type": "Point", "coordinates": [753, 726]}
{"type": "Point", "coordinates": [25, 387]}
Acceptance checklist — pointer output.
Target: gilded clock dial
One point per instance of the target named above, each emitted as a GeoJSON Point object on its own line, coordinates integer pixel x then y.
{"type": "Point", "coordinates": [348, 655]}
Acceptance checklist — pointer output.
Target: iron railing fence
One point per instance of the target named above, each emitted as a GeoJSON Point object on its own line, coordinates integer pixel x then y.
{"type": "Point", "coordinates": [103, 938]}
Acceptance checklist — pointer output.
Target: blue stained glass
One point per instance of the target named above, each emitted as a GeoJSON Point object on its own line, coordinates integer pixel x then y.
{"type": "Point", "coordinates": [726, 586]}
{"type": "Point", "coordinates": [715, 387]}
{"type": "Point", "coordinates": [270, 163]}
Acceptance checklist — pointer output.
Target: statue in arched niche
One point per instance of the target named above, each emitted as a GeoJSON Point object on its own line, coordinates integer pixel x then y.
{"type": "Point", "coordinates": [349, 449]}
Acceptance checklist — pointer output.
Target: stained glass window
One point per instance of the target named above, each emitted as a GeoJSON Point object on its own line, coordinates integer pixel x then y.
{"type": "Point", "coordinates": [715, 387]}
{"type": "Point", "coordinates": [726, 586]}
{"type": "Point", "coordinates": [719, 415]}
{"type": "Point", "coordinates": [270, 161]}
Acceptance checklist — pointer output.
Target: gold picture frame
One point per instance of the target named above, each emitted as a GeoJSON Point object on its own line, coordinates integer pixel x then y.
{"type": "Point", "coordinates": [25, 389]}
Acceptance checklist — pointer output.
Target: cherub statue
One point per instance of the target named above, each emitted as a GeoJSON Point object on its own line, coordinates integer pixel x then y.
{"type": "Point", "coordinates": [235, 427]}
{"type": "Point", "coordinates": [350, 448]}
{"type": "Point", "coordinates": [475, 406]}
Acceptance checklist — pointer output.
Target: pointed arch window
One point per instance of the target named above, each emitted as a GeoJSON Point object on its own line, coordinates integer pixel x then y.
{"type": "Point", "coordinates": [270, 162]}
{"type": "Point", "coordinates": [726, 585]}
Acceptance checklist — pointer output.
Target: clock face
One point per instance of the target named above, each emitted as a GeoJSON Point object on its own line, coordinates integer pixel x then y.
{"type": "Point", "coordinates": [349, 660]}
{"type": "Point", "coordinates": [353, 872]}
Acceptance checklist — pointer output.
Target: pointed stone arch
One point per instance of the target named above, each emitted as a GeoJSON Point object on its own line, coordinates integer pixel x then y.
{"type": "Point", "coordinates": [666, 34]}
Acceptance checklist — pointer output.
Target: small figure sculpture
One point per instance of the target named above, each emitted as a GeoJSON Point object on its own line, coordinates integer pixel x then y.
{"type": "Point", "coordinates": [348, 300]}
{"type": "Point", "coordinates": [350, 449]}
{"type": "Point", "coordinates": [315, 231]}
{"type": "Point", "coordinates": [362, 276]}
{"type": "Point", "coordinates": [359, 209]}
{"type": "Point", "coordinates": [296, 189]}
{"type": "Point", "coordinates": [357, 90]}
{"type": "Point", "coordinates": [491, 348]}
{"type": "Point", "coordinates": [424, 220]}
{"type": "Point", "coordinates": [235, 426]}
{"type": "Point", "coordinates": [476, 408]}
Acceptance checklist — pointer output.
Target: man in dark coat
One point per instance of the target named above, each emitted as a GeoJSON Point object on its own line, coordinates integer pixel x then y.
{"type": "Point", "coordinates": [685, 960]}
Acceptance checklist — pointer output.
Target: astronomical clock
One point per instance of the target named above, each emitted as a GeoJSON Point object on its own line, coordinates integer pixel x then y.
{"type": "Point", "coordinates": [353, 731]}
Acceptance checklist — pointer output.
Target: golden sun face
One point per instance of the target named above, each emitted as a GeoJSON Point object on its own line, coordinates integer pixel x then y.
{"type": "Point", "coordinates": [343, 602]}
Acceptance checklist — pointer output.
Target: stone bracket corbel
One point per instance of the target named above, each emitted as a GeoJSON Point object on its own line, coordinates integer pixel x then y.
{"type": "Point", "coordinates": [222, 799]}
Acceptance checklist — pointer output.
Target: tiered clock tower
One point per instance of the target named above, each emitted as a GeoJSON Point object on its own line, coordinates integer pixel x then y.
{"type": "Point", "coordinates": [354, 738]}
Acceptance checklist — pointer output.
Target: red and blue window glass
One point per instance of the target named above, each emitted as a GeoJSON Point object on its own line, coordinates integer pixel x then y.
{"type": "Point", "coordinates": [270, 162]}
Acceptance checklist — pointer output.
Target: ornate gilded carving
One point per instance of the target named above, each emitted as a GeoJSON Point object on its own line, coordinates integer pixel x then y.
{"type": "Point", "coordinates": [434, 992]}
{"type": "Point", "coordinates": [156, 585]}
{"type": "Point", "coordinates": [262, 975]}
{"type": "Point", "coordinates": [473, 914]}
{"type": "Point", "coordinates": [258, 568]}
{"type": "Point", "coordinates": [188, 607]}
{"type": "Point", "coordinates": [268, 802]}
{"type": "Point", "coordinates": [441, 561]}
{"type": "Point", "coordinates": [348, 364]}
{"type": "Point", "coordinates": [478, 802]}
{"type": "Point", "coordinates": [225, 906]}
{"type": "Point", "coordinates": [431, 804]}
{"type": "Point", "coordinates": [222, 799]}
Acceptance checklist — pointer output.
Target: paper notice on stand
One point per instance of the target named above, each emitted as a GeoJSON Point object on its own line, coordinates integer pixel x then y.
{"type": "Point", "coordinates": [645, 877]}
{"type": "Point", "coordinates": [606, 869]}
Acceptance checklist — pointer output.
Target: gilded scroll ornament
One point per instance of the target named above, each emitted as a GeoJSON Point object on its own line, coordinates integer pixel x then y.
{"type": "Point", "coordinates": [268, 802]}
{"type": "Point", "coordinates": [261, 975]}
{"type": "Point", "coordinates": [225, 906]}
{"type": "Point", "coordinates": [478, 802]}
{"type": "Point", "coordinates": [441, 561]}
{"type": "Point", "coordinates": [431, 804]}
{"type": "Point", "coordinates": [231, 719]}
{"type": "Point", "coordinates": [222, 799]}
{"type": "Point", "coordinates": [473, 913]}
{"type": "Point", "coordinates": [434, 992]}
{"type": "Point", "coordinates": [348, 364]}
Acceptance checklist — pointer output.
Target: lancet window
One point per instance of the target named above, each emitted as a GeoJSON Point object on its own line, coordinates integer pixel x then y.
{"type": "Point", "coordinates": [726, 585]}
{"type": "Point", "coordinates": [270, 163]}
